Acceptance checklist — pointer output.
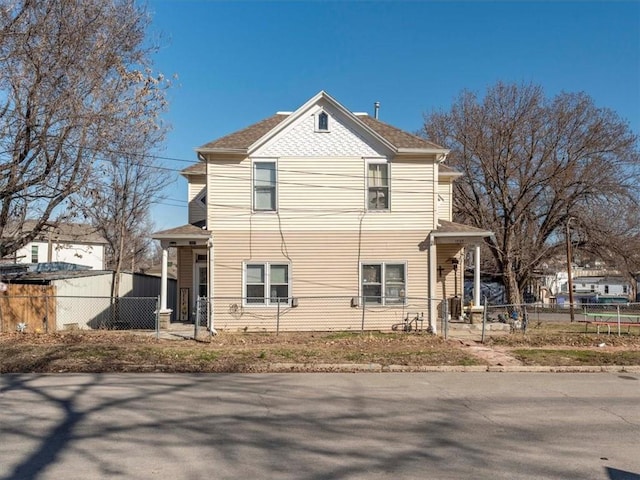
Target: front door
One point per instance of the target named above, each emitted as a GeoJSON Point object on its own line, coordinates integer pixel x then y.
{"type": "Point", "coordinates": [201, 285]}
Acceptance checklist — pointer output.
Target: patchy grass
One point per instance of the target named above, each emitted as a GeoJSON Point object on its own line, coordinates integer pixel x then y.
{"type": "Point", "coordinates": [548, 344]}
{"type": "Point", "coordinates": [568, 344]}
{"type": "Point", "coordinates": [564, 357]}
{"type": "Point", "coordinates": [227, 352]}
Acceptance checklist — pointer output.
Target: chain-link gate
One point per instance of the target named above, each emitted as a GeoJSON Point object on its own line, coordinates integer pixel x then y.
{"type": "Point", "coordinates": [201, 317]}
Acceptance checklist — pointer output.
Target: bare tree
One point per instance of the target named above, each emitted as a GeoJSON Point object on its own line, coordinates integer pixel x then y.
{"type": "Point", "coordinates": [614, 237]}
{"type": "Point", "coordinates": [75, 82]}
{"type": "Point", "coordinates": [118, 205]}
{"type": "Point", "coordinates": [530, 164]}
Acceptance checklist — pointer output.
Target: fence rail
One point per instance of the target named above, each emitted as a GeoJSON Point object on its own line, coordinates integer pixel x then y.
{"type": "Point", "coordinates": [47, 313]}
{"type": "Point", "coordinates": [310, 313]}
{"type": "Point", "coordinates": [317, 313]}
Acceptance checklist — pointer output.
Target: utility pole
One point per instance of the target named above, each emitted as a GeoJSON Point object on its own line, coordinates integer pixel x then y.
{"type": "Point", "coordinates": [569, 269]}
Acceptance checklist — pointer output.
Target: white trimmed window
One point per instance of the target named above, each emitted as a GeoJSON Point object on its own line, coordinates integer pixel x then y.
{"type": "Point", "coordinates": [322, 122]}
{"type": "Point", "coordinates": [264, 186]}
{"type": "Point", "coordinates": [267, 284]}
{"type": "Point", "coordinates": [378, 186]}
{"type": "Point", "coordinates": [384, 283]}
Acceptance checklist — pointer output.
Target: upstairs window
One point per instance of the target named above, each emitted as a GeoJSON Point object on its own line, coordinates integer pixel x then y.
{"type": "Point", "coordinates": [34, 253]}
{"type": "Point", "coordinates": [264, 186]}
{"type": "Point", "coordinates": [378, 186]}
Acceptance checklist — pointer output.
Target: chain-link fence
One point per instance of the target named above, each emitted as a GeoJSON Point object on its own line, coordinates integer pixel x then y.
{"type": "Point", "coordinates": [319, 313]}
{"type": "Point", "coordinates": [51, 313]}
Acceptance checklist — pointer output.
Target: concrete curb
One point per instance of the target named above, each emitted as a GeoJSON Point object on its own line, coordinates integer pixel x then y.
{"type": "Point", "coordinates": [378, 368]}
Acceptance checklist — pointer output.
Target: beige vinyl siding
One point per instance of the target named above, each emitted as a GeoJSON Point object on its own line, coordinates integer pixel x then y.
{"type": "Point", "coordinates": [196, 185]}
{"type": "Point", "coordinates": [325, 264]}
{"type": "Point", "coordinates": [445, 211]}
{"type": "Point", "coordinates": [322, 193]}
{"type": "Point", "coordinates": [230, 205]}
{"type": "Point", "coordinates": [185, 268]}
{"type": "Point", "coordinates": [446, 283]}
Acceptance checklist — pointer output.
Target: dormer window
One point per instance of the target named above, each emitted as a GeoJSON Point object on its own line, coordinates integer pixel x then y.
{"type": "Point", "coordinates": [322, 122]}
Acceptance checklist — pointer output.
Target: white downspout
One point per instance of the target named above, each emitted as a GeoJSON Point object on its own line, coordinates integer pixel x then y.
{"type": "Point", "coordinates": [476, 275]}
{"type": "Point", "coordinates": [210, 285]}
{"type": "Point", "coordinates": [433, 305]}
{"type": "Point", "coordinates": [163, 279]}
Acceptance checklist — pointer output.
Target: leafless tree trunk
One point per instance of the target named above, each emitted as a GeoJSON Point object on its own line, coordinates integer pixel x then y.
{"type": "Point", "coordinates": [75, 83]}
{"type": "Point", "coordinates": [119, 208]}
{"type": "Point", "coordinates": [530, 164]}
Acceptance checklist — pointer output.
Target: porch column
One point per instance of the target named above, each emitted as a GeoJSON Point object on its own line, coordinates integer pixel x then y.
{"type": "Point", "coordinates": [165, 313]}
{"type": "Point", "coordinates": [476, 275]}
{"type": "Point", "coordinates": [163, 279]}
{"type": "Point", "coordinates": [433, 268]}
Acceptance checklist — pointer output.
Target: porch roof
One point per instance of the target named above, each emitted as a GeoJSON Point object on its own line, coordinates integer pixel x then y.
{"type": "Point", "coordinates": [452, 232]}
{"type": "Point", "coordinates": [184, 232]}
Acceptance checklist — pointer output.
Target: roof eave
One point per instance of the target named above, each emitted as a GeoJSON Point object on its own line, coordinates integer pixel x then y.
{"type": "Point", "coordinates": [237, 152]}
{"type": "Point", "coordinates": [421, 151]}
{"type": "Point", "coordinates": [181, 236]}
{"type": "Point", "coordinates": [451, 174]}
{"type": "Point", "coordinates": [480, 234]}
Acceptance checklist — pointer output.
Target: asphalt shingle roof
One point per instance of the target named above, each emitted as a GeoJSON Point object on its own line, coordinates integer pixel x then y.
{"type": "Point", "coordinates": [398, 138]}
{"type": "Point", "coordinates": [242, 139]}
{"type": "Point", "coordinates": [184, 230]}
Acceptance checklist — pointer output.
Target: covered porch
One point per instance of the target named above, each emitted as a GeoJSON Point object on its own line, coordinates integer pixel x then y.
{"type": "Point", "coordinates": [445, 246]}
{"type": "Point", "coordinates": [194, 243]}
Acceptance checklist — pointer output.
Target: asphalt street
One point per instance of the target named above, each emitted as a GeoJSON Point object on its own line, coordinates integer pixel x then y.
{"type": "Point", "coordinates": [321, 426]}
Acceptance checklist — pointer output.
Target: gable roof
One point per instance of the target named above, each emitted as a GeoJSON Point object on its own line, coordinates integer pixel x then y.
{"type": "Point", "coordinates": [448, 231]}
{"type": "Point", "coordinates": [183, 231]}
{"type": "Point", "coordinates": [195, 169]}
{"type": "Point", "coordinates": [245, 140]}
{"type": "Point", "coordinates": [64, 232]}
{"type": "Point", "coordinates": [398, 138]}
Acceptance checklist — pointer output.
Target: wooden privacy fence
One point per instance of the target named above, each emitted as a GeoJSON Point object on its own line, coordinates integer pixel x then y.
{"type": "Point", "coordinates": [31, 305]}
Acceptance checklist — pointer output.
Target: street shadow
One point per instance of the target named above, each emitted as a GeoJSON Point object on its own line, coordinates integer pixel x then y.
{"type": "Point", "coordinates": [615, 474]}
{"type": "Point", "coordinates": [263, 426]}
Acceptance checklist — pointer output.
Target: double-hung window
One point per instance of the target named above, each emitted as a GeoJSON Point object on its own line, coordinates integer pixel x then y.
{"type": "Point", "coordinates": [384, 283]}
{"type": "Point", "coordinates": [267, 284]}
{"type": "Point", "coordinates": [264, 186]}
{"type": "Point", "coordinates": [378, 186]}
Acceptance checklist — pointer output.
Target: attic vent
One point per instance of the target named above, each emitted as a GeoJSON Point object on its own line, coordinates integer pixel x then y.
{"type": "Point", "coordinates": [323, 122]}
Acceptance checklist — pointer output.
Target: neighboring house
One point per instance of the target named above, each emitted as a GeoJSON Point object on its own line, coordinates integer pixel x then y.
{"type": "Point", "coordinates": [65, 242]}
{"type": "Point", "coordinates": [80, 299]}
{"type": "Point", "coordinates": [601, 289]}
{"type": "Point", "coordinates": [317, 212]}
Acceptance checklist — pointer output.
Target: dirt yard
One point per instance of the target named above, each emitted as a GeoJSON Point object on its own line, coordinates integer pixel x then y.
{"type": "Point", "coordinates": [111, 351]}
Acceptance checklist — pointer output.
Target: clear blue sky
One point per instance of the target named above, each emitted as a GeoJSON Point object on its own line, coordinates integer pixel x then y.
{"type": "Point", "coordinates": [239, 62]}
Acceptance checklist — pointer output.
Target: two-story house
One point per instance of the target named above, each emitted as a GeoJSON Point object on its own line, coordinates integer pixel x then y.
{"type": "Point", "coordinates": [64, 242]}
{"type": "Point", "coordinates": [320, 216]}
